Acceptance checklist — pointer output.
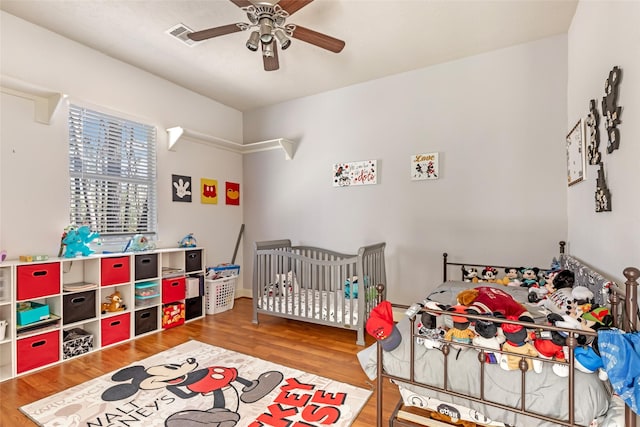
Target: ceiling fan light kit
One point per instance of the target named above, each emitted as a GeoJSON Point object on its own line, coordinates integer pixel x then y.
{"type": "Point", "coordinates": [254, 39]}
{"type": "Point", "coordinates": [267, 19]}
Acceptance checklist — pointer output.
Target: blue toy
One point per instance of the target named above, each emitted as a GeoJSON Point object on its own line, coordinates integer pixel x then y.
{"type": "Point", "coordinates": [139, 243]}
{"type": "Point", "coordinates": [188, 241]}
{"type": "Point", "coordinates": [76, 240]}
{"type": "Point", "coordinates": [350, 292]}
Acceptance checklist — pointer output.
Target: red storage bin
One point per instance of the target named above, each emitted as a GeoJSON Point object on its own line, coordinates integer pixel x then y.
{"type": "Point", "coordinates": [37, 280]}
{"type": "Point", "coordinates": [115, 329]}
{"type": "Point", "coordinates": [173, 289]}
{"type": "Point", "coordinates": [114, 271]}
{"type": "Point", "coordinates": [38, 350]}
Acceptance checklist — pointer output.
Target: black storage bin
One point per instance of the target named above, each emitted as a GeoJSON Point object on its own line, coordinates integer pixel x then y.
{"type": "Point", "coordinates": [193, 260]}
{"type": "Point", "coordinates": [146, 320]}
{"type": "Point", "coordinates": [78, 306]}
{"type": "Point", "coordinates": [146, 266]}
{"type": "Point", "coordinates": [193, 308]}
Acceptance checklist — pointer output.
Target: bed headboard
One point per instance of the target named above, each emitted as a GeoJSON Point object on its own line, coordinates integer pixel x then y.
{"type": "Point", "coordinates": [446, 263]}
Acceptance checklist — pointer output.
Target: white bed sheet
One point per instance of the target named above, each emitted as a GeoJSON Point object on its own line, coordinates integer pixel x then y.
{"type": "Point", "coordinates": [319, 305]}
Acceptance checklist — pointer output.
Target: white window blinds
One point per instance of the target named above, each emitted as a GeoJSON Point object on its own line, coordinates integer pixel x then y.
{"type": "Point", "coordinates": [112, 167]}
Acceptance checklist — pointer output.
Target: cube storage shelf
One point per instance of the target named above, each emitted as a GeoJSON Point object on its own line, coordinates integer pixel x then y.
{"type": "Point", "coordinates": [73, 291]}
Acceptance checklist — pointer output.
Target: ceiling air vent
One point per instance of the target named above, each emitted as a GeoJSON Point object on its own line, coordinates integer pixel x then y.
{"type": "Point", "coordinates": [180, 32]}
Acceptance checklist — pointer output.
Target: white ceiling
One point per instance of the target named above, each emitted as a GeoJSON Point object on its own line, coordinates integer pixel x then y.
{"type": "Point", "coordinates": [383, 37]}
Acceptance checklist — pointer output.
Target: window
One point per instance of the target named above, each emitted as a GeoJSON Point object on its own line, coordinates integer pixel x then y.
{"type": "Point", "coordinates": [112, 168]}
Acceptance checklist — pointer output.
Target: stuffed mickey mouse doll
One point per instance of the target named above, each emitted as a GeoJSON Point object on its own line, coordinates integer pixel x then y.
{"type": "Point", "coordinates": [489, 336]}
{"type": "Point", "coordinates": [529, 276]}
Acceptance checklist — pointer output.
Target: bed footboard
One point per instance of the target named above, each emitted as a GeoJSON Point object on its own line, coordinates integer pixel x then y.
{"type": "Point", "coordinates": [317, 285]}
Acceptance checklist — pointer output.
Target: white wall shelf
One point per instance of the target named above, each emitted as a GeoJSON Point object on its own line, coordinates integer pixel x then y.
{"type": "Point", "coordinates": [46, 102]}
{"type": "Point", "coordinates": [177, 133]}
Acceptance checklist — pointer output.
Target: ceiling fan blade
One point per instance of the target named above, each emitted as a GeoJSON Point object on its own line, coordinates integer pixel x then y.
{"type": "Point", "coordinates": [292, 6]}
{"type": "Point", "coordinates": [271, 63]}
{"type": "Point", "coordinates": [241, 3]}
{"type": "Point", "coordinates": [214, 32]}
{"type": "Point", "coordinates": [321, 40]}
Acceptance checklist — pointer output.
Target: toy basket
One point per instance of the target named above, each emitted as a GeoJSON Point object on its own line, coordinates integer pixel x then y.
{"type": "Point", "coordinates": [219, 294]}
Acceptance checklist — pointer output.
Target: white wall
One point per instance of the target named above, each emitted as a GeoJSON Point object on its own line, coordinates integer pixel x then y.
{"type": "Point", "coordinates": [498, 121]}
{"type": "Point", "coordinates": [604, 35]}
{"type": "Point", "coordinates": [33, 156]}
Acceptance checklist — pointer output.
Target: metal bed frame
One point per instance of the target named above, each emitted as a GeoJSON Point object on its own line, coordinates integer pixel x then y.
{"type": "Point", "coordinates": [624, 309]}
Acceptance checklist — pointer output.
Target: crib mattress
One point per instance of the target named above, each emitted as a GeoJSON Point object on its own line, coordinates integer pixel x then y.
{"type": "Point", "coordinates": [312, 304]}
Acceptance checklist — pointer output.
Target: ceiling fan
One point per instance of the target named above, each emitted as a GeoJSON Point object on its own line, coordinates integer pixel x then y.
{"type": "Point", "coordinates": [268, 18]}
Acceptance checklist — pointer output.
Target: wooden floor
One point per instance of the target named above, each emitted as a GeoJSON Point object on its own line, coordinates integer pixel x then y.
{"type": "Point", "coordinates": [325, 351]}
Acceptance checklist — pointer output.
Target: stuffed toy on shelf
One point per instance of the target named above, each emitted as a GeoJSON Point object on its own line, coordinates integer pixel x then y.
{"type": "Point", "coordinates": [114, 304]}
{"type": "Point", "coordinates": [75, 240]}
{"type": "Point", "coordinates": [139, 243]}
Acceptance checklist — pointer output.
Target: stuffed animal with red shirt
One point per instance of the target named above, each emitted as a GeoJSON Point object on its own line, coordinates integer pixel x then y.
{"type": "Point", "coordinates": [490, 300]}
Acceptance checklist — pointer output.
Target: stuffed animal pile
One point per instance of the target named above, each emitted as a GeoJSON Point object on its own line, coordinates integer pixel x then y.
{"type": "Point", "coordinates": [504, 343]}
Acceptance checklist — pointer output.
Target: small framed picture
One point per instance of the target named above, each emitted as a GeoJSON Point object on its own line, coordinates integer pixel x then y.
{"type": "Point", "coordinates": [576, 154]}
{"type": "Point", "coordinates": [181, 188]}
{"type": "Point", "coordinates": [424, 166]}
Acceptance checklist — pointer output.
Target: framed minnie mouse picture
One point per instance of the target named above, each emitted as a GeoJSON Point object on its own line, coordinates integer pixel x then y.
{"type": "Point", "coordinates": [576, 154]}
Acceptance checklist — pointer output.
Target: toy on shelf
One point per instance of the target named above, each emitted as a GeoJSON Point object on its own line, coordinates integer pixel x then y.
{"type": "Point", "coordinates": [76, 240]}
{"type": "Point", "coordinates": [188, 241]}
{"type": "Point", "coordinates": [139, 243]}
{"type": "Point", "coordinates": [115, 303]}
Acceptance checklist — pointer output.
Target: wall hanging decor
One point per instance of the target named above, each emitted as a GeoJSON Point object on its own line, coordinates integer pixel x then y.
{"type": "Point", "coordinates": [603, 196]}
{"type": "Point", "coordinates": [232, 193]}
{"type": "Point", "coordinates": [209, 191]}
{"type": "Point", "coordinates": [575, 154]}
{"type": "Point", "coordinates": [181, 188]}
{"type": "Point", "coordinates": [610, 110]}
{"type": "Point", "coordinates": [424, 166]}
{"type": "Point", "coordinates": [355, 173]}
{"type": "Point", "coordinates": [593, 134]}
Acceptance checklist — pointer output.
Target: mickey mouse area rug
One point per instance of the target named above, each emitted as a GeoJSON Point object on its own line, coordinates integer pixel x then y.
{"type": "Point", "coordinates": [196, 384]}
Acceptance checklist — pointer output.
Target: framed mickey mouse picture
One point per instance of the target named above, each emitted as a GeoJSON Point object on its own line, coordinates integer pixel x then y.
{"type": "Point", "coordinates": [576, 154]}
